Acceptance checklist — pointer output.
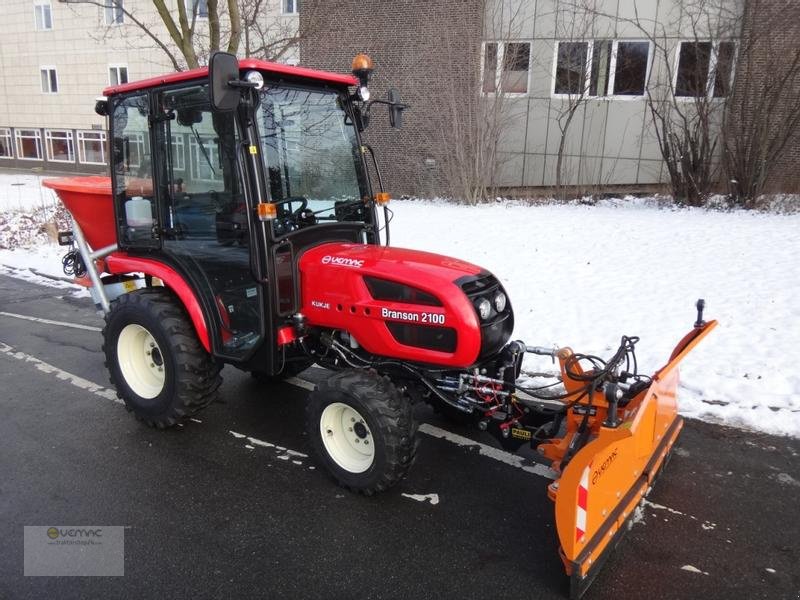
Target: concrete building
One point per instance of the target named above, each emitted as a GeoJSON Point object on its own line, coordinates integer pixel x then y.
{"type": "Point", "coordinates": [545, 60]}
{"type": "Point", "coordinates": [56, 58]}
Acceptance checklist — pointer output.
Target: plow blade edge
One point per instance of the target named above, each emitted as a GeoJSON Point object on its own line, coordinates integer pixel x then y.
{"type": "Point", "coordinates": [601, 487]}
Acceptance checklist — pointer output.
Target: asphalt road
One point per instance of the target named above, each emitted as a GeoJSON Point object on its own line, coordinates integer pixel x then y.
{"type": "Point", "coordinates": [213, 514]}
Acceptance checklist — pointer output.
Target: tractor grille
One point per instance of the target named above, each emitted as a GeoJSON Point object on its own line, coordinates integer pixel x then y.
{"type": "Point", "coordinates": [443, 339]}
{"type": "Point", "coordinates": [383, 289]}
{"type": "Point", "coordinates": [497, 329]}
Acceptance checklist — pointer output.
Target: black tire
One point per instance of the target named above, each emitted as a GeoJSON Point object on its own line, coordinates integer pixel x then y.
{"type": "Point", "coordinates": [190, 375]}
{"type": "Point", "coordinates": [389, 421]}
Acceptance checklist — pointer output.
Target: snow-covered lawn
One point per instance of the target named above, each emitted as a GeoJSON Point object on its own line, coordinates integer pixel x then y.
{"type": "Point", "coordinates": [585, 275]}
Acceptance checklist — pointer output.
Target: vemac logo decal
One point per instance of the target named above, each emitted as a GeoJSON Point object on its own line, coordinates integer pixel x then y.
{"type": "Point", "coordinates": [341, 261]}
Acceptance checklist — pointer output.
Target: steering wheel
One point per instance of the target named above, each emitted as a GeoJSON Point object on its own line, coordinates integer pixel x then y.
{"type": "Point", "coordinates": [301, 199]}
{"type": "Point", "coordinates": [290, 221]}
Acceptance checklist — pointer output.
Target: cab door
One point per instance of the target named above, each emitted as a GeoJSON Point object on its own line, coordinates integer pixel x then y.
{"type": "Point", "coordinates": [205, 215]}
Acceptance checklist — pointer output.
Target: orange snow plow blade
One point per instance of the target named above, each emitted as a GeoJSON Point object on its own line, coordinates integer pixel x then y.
{"type": "Point", "coordinates": [603, 483]}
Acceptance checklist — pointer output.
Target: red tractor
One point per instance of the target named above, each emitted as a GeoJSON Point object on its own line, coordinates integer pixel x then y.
{"type": "Point", "coordinates": [242, 225]}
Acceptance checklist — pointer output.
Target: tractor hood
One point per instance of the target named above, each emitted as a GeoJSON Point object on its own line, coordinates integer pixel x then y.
{"type": "Point", "coordinates": [403, 303]}
{"type": "Point", "coordinates": [412, 266]}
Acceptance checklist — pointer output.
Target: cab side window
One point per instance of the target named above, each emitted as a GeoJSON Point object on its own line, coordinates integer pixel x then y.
{"type": "Point", "coordinates": [205, 201]}
{"type": "Point", "coordinates": [133, 170]}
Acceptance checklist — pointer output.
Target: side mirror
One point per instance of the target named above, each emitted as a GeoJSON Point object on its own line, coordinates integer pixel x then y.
{"type": "Point", "coordinates": [223, 68]}
{"type": "Point", "coordinates": [396, 109]}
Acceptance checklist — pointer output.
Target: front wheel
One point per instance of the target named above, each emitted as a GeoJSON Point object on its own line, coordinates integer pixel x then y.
{"type": "Point", "coordinates": [363, 430]}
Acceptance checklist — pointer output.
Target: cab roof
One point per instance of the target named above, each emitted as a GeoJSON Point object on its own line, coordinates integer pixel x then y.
{"type": "Point", "coordinates": [247, 63]}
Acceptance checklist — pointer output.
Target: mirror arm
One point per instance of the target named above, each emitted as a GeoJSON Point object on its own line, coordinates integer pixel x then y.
{"type": "Point", "coordinates": [241, 83]}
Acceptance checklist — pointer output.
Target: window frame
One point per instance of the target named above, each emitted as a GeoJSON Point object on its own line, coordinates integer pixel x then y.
{"type": "Point", "coordinates": [117, 67]}
{"type": "Point", "coordinates": [41, 4]}
{"type": "Point", "coordinates": [117, 8]}
{"type": "Point", "coordinates": [612, 69]}
{"type": "Point", "coordinates": [18, 137]}
{"type": "Point", "coordinates": [189, 5]}
{"type": "Point", "coordinates": [49, 68]}
{"type": "Point", "coordinates": [498, 76]}
{"type": "Point", "coordinates": [295, 6]}
{"type": "Point", "coordinates": [48, 144]}
{"type": "Point", "coordinates": [81, 144]}
{"type": "Point", "coordinates": [10, 142]}
{"type": "Point", "coordinates": [712, 69]}
{"type": "Point", "coordinates": [178, 144]}
{"type": "Point", "coordinates": [197, 159]}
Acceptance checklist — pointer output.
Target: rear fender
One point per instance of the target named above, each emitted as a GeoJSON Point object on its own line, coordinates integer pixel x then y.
{"type": "Point", "coordinates": [602, 485]}
{"type": "Point", "coordinates": [120, 263]}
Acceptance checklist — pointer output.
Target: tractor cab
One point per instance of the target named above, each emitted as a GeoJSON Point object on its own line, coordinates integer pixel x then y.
{"type": "Point", "coordinates": [227, 174]}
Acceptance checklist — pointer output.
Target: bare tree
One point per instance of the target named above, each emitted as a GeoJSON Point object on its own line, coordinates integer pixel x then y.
{"type": "Point", "coordinates": [271, 39]}
{"type": "Point", "coordinates": [577, 79]}
{"type": "Point", "coordinates": [694, 46]}
{"type": "Point", "coordinates": [190, 40]}
{"type": "Point", "coordinates": [477, 113]}
{"type": "Point", "coordinates": [763, 113]}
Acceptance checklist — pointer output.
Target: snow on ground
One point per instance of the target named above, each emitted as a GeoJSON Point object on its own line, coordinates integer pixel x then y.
{"type": "Point", "coordinates": [585, 275]}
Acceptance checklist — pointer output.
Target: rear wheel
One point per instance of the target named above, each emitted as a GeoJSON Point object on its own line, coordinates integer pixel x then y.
{"type": "Point", "coordinates": [154, 359]}
{"type": "Point", "coordinates": [363, 430]}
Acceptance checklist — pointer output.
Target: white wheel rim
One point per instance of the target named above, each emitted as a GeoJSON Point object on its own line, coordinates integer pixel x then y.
{"type": "Point", "coordinates": [141, 361]}
{"type": "Point", "coordinates": [347, 437]}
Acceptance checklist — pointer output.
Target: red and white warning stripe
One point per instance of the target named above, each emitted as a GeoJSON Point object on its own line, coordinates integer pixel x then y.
{"type": "Point", "coordinates": [583, 503]}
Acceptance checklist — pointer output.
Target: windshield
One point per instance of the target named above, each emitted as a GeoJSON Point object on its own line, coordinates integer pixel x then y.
{"type": "Point", "coordinates": [311, 154]}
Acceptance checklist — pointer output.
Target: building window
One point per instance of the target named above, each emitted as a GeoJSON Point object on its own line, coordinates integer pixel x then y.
{"type": "Point", "coordinates": [6, 148]}
{"type": "Point", "coordinates": [198, 8]}
{"type": "Point", "coordinates": [49, 80]}
{"type": "Point", "coordinates": [114, 12]}
{"type": "Point", "coordinates": [136, 149]}
{"type": "Point", "coordinates": [29, 144]}
{"type": "Point", "coordinates": [571, 61]}
{"type": "Point", "coordinates": [203, 152]}
{"type": "Point", "coordinates": [704, 69]}
{"type": "Point", "coordinates": [602, 68]}
{"type": "Point", "coordinates": [178, 158]}
{"type": "Point", "coordinates": [630, 63]}
{"type": "Point", "coordinates": [291, 7]}
{"type": "Point", "coordinates": [92, 147]}
{"type": "Point", "coordinates": [44, 15]}
{"type": "Point", "coordinates": [59, 145]}
{"type": "Point", "coordinates": [512, 77]}
{"type": "Point", "coordinates": [117, 75]}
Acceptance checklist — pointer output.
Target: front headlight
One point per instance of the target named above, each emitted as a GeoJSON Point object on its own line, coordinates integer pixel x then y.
{"type": "Point", "coordinates": [500, 302]}
{"type": "Point", "coordinates": [484, 308]}
{"type": "Point", "coordinates": [363, 93]}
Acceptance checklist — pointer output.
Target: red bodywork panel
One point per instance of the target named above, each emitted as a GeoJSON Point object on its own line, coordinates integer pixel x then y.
{"type": "Point", "coordinates": [122, 263]}
{"type": "Point", "coordinates": [334, 295]}
{"type": "Point", "coordinates": [247, 63]}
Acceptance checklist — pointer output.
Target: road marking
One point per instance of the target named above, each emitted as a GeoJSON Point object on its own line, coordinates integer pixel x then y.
{"type": "Point", "coordinates": [459, 440]}
{"type": "Point", "coordinates": [692, 569]}
{"type": "Point", "coordinates": [75, 380]}
{"type": "Point", "coordinates": [50, 322]}
{"type": "Point", "coordinates": [488, 451]}
{"type": "Point", "coordinates": [432, 498]}
{"type": "Point", "coordinates": [282, 452]}
{"type": "Point", "coordinates": [301, 383]}
{"type": "Point", "coordinates": [426, 428]}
